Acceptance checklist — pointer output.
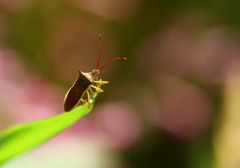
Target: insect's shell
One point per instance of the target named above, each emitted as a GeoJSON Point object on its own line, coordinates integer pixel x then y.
{"type": "Point", "coordinates": [75, 93]}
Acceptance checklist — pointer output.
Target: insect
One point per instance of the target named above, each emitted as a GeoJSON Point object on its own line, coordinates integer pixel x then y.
{"type": "Point", "coordinates": [87, 84]}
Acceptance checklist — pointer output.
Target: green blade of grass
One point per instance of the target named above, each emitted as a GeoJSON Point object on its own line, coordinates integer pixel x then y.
{"type": "Point", "coordinates": [23, 137]}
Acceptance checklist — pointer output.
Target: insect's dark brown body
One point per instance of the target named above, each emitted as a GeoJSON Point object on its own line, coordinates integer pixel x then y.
{"type": "Point", "coordinates": [76, 92]}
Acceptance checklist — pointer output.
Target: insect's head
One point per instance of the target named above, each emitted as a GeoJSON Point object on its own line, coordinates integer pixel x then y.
{"type": "Point", "coordinates": [95, 72]}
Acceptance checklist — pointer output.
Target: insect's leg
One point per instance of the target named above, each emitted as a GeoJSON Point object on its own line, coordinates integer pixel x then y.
{"type": "Point", "coordinates": [85, 102]}
{"type": "Point", "coordinates": [88, 100]}
{"type": "Point", "coordinates": [100, 82]}
{"type": "Point", "coordinates": [97, 88]}
{"type": "Point", "coordinates": [91, 91]}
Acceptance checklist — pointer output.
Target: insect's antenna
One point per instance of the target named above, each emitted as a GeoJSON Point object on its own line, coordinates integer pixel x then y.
{"type": "Point", "coordinates": [123, 58]}
{"type": "Point", "coordinates": [100, 50]}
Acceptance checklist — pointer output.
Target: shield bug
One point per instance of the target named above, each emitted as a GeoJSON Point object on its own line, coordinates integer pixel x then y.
{"type": "Point", "coordinates": [87, 84]}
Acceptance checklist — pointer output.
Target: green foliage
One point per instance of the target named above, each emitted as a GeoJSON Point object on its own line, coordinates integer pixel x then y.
{"type": "Point", "coordinates": [23, 137]}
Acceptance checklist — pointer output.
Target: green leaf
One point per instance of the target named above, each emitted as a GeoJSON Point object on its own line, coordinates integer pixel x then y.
{"type": "Point", "coordinates": [23, 137]}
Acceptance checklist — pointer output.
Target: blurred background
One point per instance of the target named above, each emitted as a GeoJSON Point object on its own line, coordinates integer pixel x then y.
{"type": "Point", "coordinates": [175, 102]}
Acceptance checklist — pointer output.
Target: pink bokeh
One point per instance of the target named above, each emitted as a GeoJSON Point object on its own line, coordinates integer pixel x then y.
{"type": "Point", "coordinates": [25, 96]}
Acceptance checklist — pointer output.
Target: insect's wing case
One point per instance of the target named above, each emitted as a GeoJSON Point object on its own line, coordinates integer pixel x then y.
{"type": "Point", "coordinates": [74, 94]}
